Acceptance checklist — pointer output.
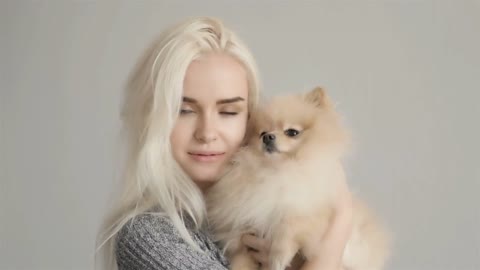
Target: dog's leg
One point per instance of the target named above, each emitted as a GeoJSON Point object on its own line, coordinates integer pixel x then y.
{"type": "Point", "coordinates": [283, 249]}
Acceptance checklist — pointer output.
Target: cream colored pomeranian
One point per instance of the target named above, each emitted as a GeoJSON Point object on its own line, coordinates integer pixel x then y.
{"type": "Point", "coordinates": [282, 186]}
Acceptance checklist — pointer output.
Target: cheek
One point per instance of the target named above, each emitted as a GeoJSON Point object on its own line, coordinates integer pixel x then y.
{"type": "Point", "coordinates": [180, 135]}
{"type": "Point", "coordinates": [286, 144]}
{"type": "Point", "coordinates": [292, 145]}
{"type": "Point", "coordinates": [234, 132]}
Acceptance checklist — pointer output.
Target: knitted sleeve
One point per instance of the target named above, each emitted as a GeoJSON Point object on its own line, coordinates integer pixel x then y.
{"type": "Point", "coordinates": [152, 242]}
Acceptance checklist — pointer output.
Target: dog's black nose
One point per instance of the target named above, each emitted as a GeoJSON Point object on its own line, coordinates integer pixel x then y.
{"type": "Point", "coordinates": [268, 138]}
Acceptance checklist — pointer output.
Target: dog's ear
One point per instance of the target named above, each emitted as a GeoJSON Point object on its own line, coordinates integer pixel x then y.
{"type": "Point", "coordinates": [318, 97]}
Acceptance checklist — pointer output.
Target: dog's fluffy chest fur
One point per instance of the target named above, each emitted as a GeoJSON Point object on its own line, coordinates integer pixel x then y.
{"type": "Point", "coordinates": [261, 196]}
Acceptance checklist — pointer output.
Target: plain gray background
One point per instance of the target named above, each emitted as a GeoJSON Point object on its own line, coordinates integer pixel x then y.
{"type": "Point", "coordinates": [405, 74]}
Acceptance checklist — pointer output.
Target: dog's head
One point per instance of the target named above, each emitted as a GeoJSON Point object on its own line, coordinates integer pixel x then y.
{"type": "Point", "coordinates": [296, 126]}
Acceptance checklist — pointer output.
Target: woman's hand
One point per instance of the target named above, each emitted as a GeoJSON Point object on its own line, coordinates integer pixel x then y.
{"type": "Point", "coordinates": [259, 250]}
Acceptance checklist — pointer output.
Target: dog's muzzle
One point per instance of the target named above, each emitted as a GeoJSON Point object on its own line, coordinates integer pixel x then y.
{"type": "Point", "coordinates": [269, 143]}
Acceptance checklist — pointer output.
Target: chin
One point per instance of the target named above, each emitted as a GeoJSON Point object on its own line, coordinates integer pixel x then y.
{"type": "Point", "coordinates": [282, 186]}
{"type": "Point", "coordinates": [205, 179]}
{"type": "Point", "coordinates": [205, 176]}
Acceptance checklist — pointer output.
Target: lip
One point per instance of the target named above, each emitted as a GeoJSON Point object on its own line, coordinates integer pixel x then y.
{"type": "Point", "coordinates": [206, 156]}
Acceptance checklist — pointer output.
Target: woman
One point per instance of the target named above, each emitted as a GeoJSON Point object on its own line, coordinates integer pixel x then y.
{"type": "Point", "coordinates": [186, 111]}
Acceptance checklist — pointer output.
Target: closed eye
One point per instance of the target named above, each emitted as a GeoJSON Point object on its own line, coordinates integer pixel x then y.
{"type": "Point", "coordinates": [184, 111]}
{"type": "Point", "coordinates": [229, 113]}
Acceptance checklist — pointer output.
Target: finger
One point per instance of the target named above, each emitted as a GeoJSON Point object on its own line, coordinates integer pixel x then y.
{"type": "Point", "coordinates": [255, 243]}
{"type": "Point", "coordinates": [260, 257]}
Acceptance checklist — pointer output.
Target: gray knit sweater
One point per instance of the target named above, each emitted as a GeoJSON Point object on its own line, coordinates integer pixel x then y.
{"type": "Point", "coordinates": [152, 242]}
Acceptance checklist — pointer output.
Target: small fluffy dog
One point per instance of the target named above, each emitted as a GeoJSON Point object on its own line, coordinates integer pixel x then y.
{"type": "Point", "coordinates": [282, 187]}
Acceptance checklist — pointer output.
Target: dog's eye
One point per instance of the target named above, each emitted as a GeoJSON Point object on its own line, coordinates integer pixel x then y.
{"type": "Point", "coordinates": [291, 132]}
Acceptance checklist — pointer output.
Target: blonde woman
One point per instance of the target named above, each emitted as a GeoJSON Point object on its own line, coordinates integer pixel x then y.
{"type": "Point", "coordinates": [186, 110]}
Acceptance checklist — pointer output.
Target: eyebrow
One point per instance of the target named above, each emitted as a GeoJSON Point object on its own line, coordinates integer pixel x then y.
{"type": "Point", "coordinates": [221, 101]}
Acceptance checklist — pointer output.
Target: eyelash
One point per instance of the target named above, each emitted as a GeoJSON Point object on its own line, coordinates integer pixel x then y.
{"type": "Point", "coordinates": [186, 111]}
{"type": "Point", "coordinates": [229, 113]}
{"type": "Point", "coordinates": [224, 113]}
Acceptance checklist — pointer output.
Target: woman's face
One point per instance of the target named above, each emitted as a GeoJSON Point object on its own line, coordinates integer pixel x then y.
{"type": "Point", "coordinates": [212, 122]}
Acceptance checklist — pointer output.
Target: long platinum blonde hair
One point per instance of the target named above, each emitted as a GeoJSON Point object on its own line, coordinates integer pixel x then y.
{"type": "Point", "coordinates": [152, 101]}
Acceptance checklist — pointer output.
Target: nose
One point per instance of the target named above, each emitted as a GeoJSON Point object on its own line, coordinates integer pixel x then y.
{"type": "Point", "coordinates": [205, 131]}
{"type": "Point", "coordinates": [268, 138]}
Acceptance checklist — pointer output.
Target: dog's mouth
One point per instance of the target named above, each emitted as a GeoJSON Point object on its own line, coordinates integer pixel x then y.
{"type": "Point", "coordinates": [270, 148]}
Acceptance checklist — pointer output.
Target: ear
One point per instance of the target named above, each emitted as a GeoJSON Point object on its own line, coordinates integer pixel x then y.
{"type": "Point", "coordinates": [318, 97]}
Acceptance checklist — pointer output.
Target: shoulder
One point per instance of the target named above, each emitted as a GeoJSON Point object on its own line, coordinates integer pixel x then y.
{"type": "Point", "coordinates": [149, 232]}
{"type": "Point", "coordinates": [145, 226]}
{"type": "Point", "coordinates": [151, 241]}
{"type": "Point", "coordinates": [146, 242]}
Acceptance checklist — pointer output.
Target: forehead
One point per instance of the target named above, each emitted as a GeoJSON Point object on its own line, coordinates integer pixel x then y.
{"type": "Point", "coordinates": [215, 76]}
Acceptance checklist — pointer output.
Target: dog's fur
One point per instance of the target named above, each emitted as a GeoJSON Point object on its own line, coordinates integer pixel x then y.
{"type": "Point", "coordinates": [283, 187]}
